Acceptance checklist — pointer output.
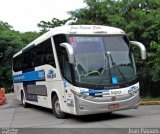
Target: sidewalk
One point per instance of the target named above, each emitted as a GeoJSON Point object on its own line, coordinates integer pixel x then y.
{"type": "Point", "coordinates": [143, 102]}
{"type": "Point", "coordinates": [10, 101]}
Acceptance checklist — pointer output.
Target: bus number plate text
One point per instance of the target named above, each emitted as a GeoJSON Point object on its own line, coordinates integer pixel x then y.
{"type": "Point", "coordinates": [113, 106]}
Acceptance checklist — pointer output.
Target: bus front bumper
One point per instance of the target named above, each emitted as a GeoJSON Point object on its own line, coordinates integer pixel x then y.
{"type": "Point", "coordinates": [85, 107]}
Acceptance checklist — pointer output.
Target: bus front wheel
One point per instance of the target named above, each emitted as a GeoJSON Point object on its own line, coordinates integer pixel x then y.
{"type": "Point", "coordinates": [56, 108]}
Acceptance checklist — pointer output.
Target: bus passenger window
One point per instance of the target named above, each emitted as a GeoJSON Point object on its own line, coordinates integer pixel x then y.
{"type": "Point", "coordinates": [44, 54]}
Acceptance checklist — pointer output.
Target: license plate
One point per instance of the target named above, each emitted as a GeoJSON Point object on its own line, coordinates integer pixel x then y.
{"type": "Point", "coordinates": [113, 106]}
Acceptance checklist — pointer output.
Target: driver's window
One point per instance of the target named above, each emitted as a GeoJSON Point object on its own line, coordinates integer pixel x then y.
{"type": "Point", "coordinates": [63, 57]}
{"type": "Point", "coordinates": [67, 71]}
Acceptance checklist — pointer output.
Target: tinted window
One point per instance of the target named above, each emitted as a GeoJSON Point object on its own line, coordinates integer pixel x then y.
{"type": "Point", "coordinates": [17, 63]}
{"type": "Point", "coordinates": [44, 54]}
{"type": "Point", "coordinates": [36, 56]}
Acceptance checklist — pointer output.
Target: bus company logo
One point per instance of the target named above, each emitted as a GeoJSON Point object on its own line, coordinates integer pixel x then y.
{"type": "Point", "coordinates": [51, 74]}
{"type": "Point", "coordinates": [133, 88]}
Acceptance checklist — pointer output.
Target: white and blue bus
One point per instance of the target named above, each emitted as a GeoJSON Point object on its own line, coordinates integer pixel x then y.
{"type": "Point", "coordinates": [78, 69]}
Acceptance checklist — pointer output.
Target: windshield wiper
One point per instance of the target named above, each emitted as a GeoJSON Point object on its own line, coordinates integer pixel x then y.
{"type": "Point", "coordinates": [116, 66]}
{"type": "Point", "coordinates": [106, 67]}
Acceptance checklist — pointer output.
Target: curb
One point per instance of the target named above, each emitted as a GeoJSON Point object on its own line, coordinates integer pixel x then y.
{"type": "Point", "coordinates": [149, 102]}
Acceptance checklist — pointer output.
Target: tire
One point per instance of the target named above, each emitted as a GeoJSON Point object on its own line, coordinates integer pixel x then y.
{"type": "Point", "coordinates": [24, 104]}
{"type": "Point", "coordinates": [109, 113]}
{"type": "Point", "coordinates": [56, 108]}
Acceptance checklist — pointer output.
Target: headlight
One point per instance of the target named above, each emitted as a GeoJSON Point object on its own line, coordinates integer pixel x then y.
{"type": "Point", "coordinates": [133, 92]}
{"type": "Point", "coordinates": [76, 93]}
{"type": "Point", "coordinates": [84, 96]}
{"type": "Point", "coordinates": [87, 97]}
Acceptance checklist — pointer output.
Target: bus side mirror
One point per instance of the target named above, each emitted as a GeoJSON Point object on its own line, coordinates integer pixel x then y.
{"type": "Point", "coordinates": [69, 50]}
{"type": "Point", "coordinates": [142, 48]}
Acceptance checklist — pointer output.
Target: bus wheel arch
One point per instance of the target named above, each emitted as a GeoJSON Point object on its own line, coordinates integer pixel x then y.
{"type": "Point", "coordinates": [56, 106]}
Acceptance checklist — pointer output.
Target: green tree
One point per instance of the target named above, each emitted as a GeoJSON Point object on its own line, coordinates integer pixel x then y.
{"type": "Point", "coordinates": [154, 60]}
{"type": "Point", "coordinates": [28, 37]}
{"type": "Point", "coordinates": [11, 42]}
{"type": "Point", "coordinates": [4, 25]}
{"type": "Point", "coordinates": [47, 25]}
{"type": "Point", "coordinates": [154, 66]}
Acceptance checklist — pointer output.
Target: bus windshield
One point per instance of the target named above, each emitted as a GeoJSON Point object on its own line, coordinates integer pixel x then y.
{"type": "Point", "coordinates": [102, 60]}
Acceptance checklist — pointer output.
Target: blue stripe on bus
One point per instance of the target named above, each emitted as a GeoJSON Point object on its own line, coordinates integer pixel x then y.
{"type": "Point", "coordinates": [29, 76]}
{"type": "Point", "coordinates": [94, 91]}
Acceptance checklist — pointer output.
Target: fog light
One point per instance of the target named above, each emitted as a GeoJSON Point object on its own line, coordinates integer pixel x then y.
{"type": "Point", "coordinates": [81, 107]}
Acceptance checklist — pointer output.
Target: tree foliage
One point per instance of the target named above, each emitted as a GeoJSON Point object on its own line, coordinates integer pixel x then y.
{"type": "Point", "coordinates": [28, 37]}
{"type": "Point", "coordinates": [11, 42]}
{"type": "Point", "coordinates": [47, 25]}
{"type": "Point", "coordinates": [154, 60]}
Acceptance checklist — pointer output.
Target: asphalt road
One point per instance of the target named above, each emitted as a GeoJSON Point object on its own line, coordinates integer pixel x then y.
{"type": "Point", "coordinates": [13, 115]}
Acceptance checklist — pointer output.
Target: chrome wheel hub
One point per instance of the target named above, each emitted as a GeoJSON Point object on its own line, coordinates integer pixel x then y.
{"type": "Point", "coordinates": [57, 107]}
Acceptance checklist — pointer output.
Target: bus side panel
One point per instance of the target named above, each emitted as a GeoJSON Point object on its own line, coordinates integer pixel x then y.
{"type": "Point", "coordinates": [66, 97]}
{"type": "Point", "coordinates": [18, 86]}
{"type": "Point", "coordinates": [17, 90]}
{"type": "Point", "coordinates": [57, 87]}
{"type": "Point", "coordinates": [51, 83]}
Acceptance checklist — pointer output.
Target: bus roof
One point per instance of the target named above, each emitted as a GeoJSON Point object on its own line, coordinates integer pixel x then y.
{"type": "Point", "coordinates": [76, 29]}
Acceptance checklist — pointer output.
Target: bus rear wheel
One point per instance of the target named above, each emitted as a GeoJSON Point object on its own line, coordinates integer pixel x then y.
{"type": "Point", "coordinates": [25, 105]}
{"type": "Point", "coordinates": [56, 108]}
